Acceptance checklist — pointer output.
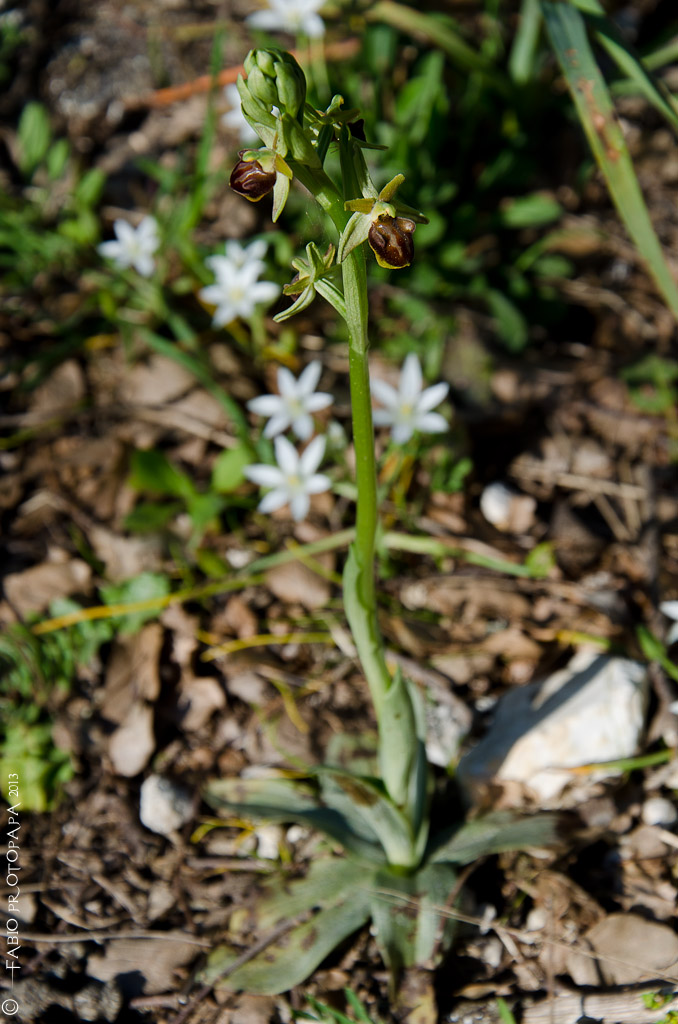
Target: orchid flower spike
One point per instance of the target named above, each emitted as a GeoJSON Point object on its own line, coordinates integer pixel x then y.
{"type": "Point", "coordinates": [297, 400]}
{"type": "Point", "coordinates": [293, 480]}
{"type": "Point", "coordinates": [133, 247]}
{"type": "Point", "coordinates": [409, 408]}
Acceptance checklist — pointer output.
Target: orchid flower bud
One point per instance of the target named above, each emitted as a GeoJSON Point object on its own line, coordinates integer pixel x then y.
{"type": "Point", "coordinates": [276, 80]}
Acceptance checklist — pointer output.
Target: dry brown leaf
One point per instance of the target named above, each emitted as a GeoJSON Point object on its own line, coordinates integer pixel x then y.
{"type": "Point", "coordinates": [34, 589]}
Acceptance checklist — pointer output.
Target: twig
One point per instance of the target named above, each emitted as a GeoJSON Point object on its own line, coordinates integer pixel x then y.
{"type": "Point", "coordinates": [338, 51]}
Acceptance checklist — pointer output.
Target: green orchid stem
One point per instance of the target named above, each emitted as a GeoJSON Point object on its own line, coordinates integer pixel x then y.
{"type": "Point", "coordinates": [360, 598]}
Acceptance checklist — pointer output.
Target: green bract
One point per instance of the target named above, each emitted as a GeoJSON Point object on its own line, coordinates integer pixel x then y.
{"type": "Point", "coordinates": [315, 273]}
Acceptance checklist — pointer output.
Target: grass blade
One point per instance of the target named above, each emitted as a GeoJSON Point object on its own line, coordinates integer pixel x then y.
{"type": "Point", "coordinates": [567, 33]}
{"type": "Point", "coordinates": [524, 49]}
{"type": "Point", "coordinates": [628, 62]}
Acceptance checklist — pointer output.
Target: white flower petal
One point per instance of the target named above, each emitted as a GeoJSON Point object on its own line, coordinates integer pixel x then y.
{"type": "Point", "coordinates": [110, 250]}
{"type": "Point", "coordinates": [266, 405]}
{"type": "Point", "coordinates": [317, 401]}
{"type": "Point", "coordinates": [432, 396]}
{"type": "Point", "coordinates": [312, 456]}
{"type": "Point", "coordinates": [271, 21]}
{"type": "Point", "coordinates": [287, 385]}
{"type": "Point", "coordinates": [382, 418]}
{"type": "Point", "coordinates": [672, 635]}
{"type": "Point", "coordinates": [144, 265]}
{"type": "Point", "coordinates": [410, 380]}
{"type": "Point", "coordinates": [274, 500]}
{"type": "Point", "coordinates": [299, 506]}
{"type": "Point", "coordinates": [286, 456]}
{"type": "Point", "coordinates": [125, 232]}
{"type": "Point", "coordinates": [402, 432]}
{"type": "Point", "coordinates": [314, 26]}
{"type": "Point", "coordinates": [277, 424]}
{"type": "Point", "coordinates": [384, 393]}
{"type": "Point", "coordinates": [670, 609]}
{"type": "Point", "coordinates": [264, 292]}
{"type": "Point", "coordinates": [256, 250]}
{"type": "Point", "coordinates": [308, 380]}
{"type": "Point", "coordinates": [431, 423]}
{"type": "Point", "coordinates": [302, 427]}
{"type": "Point", "coordinates": [317, 484]}
{"type": "Point", "coordinates": [263, 475]}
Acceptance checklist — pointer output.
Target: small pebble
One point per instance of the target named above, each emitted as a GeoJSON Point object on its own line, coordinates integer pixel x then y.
{"type": "Point", "coordinates": [164, 806]}
{"type": "Point", "coordinates": [659, 811]}
{"type": "Point", "coordinates": [506, 509]}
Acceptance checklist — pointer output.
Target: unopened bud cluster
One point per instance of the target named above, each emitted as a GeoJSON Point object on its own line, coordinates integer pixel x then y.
{"type": "Point", "coordinates": [296, 139]}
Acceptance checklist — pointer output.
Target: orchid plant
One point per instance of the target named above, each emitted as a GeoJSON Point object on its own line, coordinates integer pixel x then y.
{"type": "Point", "coordinates": [381, 818]}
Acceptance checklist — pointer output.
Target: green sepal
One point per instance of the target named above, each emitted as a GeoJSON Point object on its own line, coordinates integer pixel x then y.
{"type": "Point", "coordinates": [354, 234]}
{"type": "Point", "coordinates": [281, 191]}
{"type": "Point", "coordinates": [390, 189]}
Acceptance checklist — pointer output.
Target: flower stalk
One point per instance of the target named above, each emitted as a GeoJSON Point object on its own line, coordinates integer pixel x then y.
{"type": "Point", "coordinates": [299, 137]}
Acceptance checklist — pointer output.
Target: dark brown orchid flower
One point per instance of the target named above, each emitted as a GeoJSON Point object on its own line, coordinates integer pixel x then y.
{"type": "Point", "coordinates": [390, 240]}
{"type": "Point", "coordinates": [249, 179]}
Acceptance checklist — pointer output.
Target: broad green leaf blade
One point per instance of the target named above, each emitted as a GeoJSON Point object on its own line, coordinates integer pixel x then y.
{"type": "Point", "coordinates": [408, 930]}
{"type": "Point", "coordinates": [567, 32]}
{"type": "Point", "coordinates": [293, 957]}
{"type": "Point", "coordinates": [325, 883]}
{"type": "Point", "coordinates": [290, 800]}
{"type": "Point", "coordinates": [365, 799]}
{"type": "Point", "coordinates": [496, 832]}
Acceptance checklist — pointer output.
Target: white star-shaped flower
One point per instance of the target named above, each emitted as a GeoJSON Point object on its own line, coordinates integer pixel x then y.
{"type": "Point", "coordinates": [298, 17]}
{"type": "Point", "coordinates": [234, 117]}
{"type": "Point", "coordinates": [297, 400]}
{"type": "Point", "coordinates": [236, 291]}
{"type": "Point", "coordinates": [293, 480]}
{"type": "Point", "coordinates": [670, 610]}
{"type": "Point", "coordinates": [409, 408]}
{"type": "Point", "coordinates": [133, 247]}
{"type": "Point", "coordinates": [238, 256]}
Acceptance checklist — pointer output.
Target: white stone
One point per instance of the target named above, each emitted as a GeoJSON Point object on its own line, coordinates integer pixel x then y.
{"type": "Point", "coordinates": [164, 807]}
{"type": "Point", "coordinates": [657, 810]}
{"type": "Point", "coordinates": [591, 711]}
{"type": "Point", "coordinates": [506, 509]}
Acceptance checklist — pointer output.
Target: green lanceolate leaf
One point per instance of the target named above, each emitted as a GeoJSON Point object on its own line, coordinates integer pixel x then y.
{"type": "Point", "coordinates": [296, 953]}
{"type": "Point", "coordinates": [408, 913]}
{"type": "Point", "coordinates": [325, 883]}
{"type": "Point", "coordinates": [287, 800]}
{"type": "Point", "coordinates": [567, 32]}
{"type": "Point", "coordinates": [497, 832]}
{"type": "Point", "coordinates": [365, 802]}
